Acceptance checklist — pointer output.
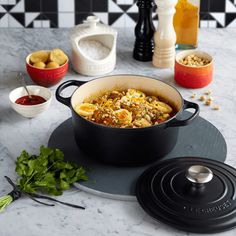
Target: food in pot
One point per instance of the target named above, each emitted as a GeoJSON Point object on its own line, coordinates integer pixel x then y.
{"type": "Point", "coordinates": [33, 100]}
{"type": "Point", "coordinates": [46, 59]}
{"type": "Point", "coordinates": [126, 109]}
{"type": "Point", "coordinates": [193, 60]}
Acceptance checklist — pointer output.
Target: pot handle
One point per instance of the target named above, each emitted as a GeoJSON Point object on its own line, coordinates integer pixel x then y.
{"type": "Point", "coordinates": [63, 100]}
{"type": "Point", "coordinates": [175, 122]}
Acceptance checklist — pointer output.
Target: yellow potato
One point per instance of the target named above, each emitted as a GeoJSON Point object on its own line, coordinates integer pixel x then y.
{"type": "Point", "coordinates": [58, 56]}
{"type": "Point", "coordinates": [85, 109]}
{"type": "Point", "coordinates": [163, 107]}
{"type": "Point", "coordinates": [39, 56]}
{"type": "Point", "coordinates": [52, 64]}
{"type": "Point", "coordinates": [39, 64]}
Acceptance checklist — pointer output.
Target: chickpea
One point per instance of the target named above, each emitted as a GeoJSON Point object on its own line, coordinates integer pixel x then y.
{"type": "Point", "coordinates": [202, 98]}
{"type": "Point", "coordinates": [194, 60]}
{"type": "Point", "coordinates": [208, 102]}
{"type": "Point", "coordinates": [216, 108]}
{"type": "Point", "coordinates": [208, 92]}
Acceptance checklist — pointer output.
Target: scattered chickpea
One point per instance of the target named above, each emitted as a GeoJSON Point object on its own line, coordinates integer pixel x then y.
{"type": "Point", "coordinates": [216, 107]}
{"type": "Point", "coordinates": [202, 98]}
{"type": "Point", "coordinates": [207, 99]}
{"type": "Point", "coordinates": [208, 102]}
{"type": "Point", "coordinates": [208, 92]}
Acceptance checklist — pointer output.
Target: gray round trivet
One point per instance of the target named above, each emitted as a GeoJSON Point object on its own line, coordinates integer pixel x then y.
{"type": "Point", "coordinates": [199, 139]}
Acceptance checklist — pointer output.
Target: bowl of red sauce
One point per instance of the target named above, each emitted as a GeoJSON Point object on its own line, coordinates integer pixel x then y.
{"type": "Point", "coordinates": [32, 106]}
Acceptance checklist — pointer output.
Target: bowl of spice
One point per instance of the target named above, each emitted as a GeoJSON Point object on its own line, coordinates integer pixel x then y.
{"type": "Point", "coordinates": [30, 105]}
{"type": "Point", "coordinates": [193, 69]}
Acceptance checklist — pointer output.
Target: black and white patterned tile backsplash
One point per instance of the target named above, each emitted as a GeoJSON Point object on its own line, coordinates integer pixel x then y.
{"type": "Point", "coordinates": [118, 13]}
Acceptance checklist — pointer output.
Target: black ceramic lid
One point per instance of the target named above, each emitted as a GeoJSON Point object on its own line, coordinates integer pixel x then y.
{"type": "Point", "coordinates": [189, 193]}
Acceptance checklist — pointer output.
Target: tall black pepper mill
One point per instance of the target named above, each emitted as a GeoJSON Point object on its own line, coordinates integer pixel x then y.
{"type": "Point", "coordinates": [144, 31]}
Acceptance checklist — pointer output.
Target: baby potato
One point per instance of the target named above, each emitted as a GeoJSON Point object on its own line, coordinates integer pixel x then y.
{"type": "Point", "coordinates": [39, 56]}
{"type": "Point", "coordinates": [39, 64]}
{"type": "Point", "coordinates": [163, 107]}
{"type": "Point", "coordinates": [52, 64]}
{"type": "Point", "coordinates": [58, 56]}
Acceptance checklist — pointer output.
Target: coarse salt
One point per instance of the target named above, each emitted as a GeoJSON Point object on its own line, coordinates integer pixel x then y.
{"type": "Point", "coordinates": [94, 49]}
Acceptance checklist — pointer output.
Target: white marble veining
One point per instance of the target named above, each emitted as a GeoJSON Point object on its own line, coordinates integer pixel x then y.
{"type": "Point", "coordinates": [102, 216]}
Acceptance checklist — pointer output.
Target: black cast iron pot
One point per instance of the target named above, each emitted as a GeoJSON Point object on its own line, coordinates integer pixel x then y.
{"type": "Point", "coordinates": [126, 146]}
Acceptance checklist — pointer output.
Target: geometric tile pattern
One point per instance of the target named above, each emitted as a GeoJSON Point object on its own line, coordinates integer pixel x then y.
{"type": "Point", "coordinates": [118, 13]}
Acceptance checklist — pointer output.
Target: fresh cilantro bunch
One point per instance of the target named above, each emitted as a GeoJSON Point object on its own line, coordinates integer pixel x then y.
{"type": "Point", "coordinates": [48, 172]}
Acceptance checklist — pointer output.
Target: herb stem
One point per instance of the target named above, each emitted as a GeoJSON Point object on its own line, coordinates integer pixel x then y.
{"type": "Point", "coordinates": [27, 181]}
{"type": "Point", "coordinates": [5, 201]}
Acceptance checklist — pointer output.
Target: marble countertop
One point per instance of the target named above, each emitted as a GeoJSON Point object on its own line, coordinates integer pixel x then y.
{"type": "Point", "coordinates": [102, 216]}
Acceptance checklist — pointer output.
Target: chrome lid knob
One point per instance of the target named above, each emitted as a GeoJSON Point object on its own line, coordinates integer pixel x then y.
{"type": "Point", "coordinates": [198, 174]}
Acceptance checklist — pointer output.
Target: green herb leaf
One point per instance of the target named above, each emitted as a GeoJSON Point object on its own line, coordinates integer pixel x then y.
{"type": "Point", "coordinates": [21, 169]}
{"type": "Point", "coordinates": [44, 151]}
{"type": "Point", "coordinates": [64, 185]}
{"type": "Point", "coordinates": [47, 172]}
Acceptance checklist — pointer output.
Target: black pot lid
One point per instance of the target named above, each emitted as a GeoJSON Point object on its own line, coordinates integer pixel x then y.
{"type": "Point", "coordinates": [190, 193]}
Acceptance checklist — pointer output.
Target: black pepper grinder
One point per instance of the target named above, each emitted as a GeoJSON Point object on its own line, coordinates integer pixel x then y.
{"type": "Point", "coordinates": [144, 31]}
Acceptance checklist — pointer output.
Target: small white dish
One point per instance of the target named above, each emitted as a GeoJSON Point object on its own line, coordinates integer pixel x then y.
{"type": "Point", "coordinates": [30, 111]}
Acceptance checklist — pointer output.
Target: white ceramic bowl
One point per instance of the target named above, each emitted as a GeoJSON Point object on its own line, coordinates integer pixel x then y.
{"type": "Point", "coordinates": [30, 111]}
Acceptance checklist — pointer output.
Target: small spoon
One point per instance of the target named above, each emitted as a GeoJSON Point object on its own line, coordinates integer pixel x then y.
{"type": "Point", "coordinates": [21, 77]}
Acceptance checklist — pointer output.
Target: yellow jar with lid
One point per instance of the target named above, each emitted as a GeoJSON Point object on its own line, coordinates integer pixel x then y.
{"type": "Point", "coordinates": [186, 22]}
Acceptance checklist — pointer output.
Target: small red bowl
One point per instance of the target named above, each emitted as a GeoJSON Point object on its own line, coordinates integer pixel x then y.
{"type": "Point", "coordinates": [193, 77]}
{"type": "Point", "coordinates": [46, 77]}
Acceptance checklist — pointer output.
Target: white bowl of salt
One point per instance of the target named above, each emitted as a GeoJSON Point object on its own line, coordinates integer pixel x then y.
{"type": "Point", "coordinates": [93, 47]}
